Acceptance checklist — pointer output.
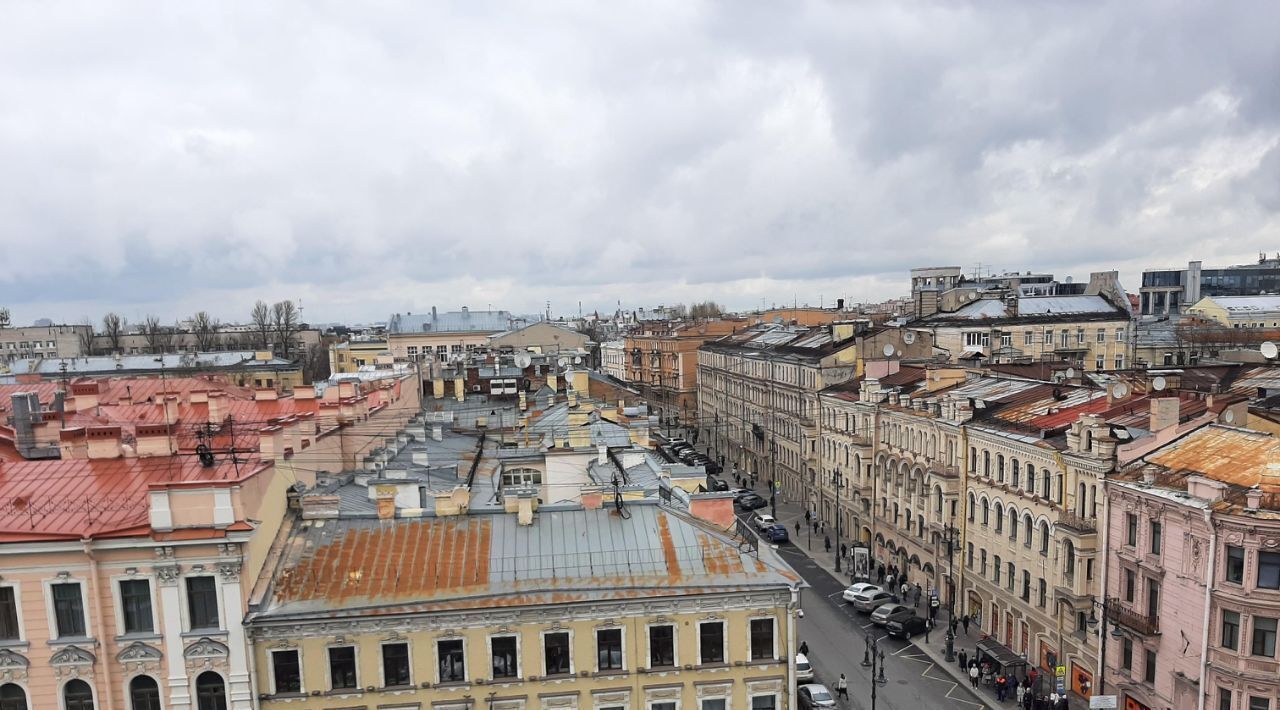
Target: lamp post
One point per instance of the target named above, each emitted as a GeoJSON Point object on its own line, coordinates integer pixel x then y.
{"type": "Point", "coordinates": [875, 662]}
{"type": "Point", "coordinates": [838, 483]}
{"type": "Point", "coordinates": [1102, 637]}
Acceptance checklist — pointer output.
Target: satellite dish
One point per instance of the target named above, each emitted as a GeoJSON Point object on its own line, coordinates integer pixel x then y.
{"type": "Point", "coordinates": [1230, 416]}
{"type": "Point", "coordinates": [564, 361]}
{"type": "Point", "coordinates": [1070, 373]}
{"type": "Point", "coordinates": [1120, 391]}
{"type": "Point", "coordinates": [1269, 350]}
{"type": "Point", "coordinates": [523, 361]}
{"type": "Point", "coordinates": [1159, 383]}
{"type": "Point", "coordinates": [577, 361]}
{"type": "Point", "coordinates": [888, 350]}
{"type": "Point", "coordinates": [909, 337]}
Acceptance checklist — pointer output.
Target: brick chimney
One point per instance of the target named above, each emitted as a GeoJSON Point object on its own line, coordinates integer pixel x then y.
{"type": "Point", "coordinates": [104, 442]}
{"type": "Point", "coordinates": [304, 392]}
{"type": "Point", "coordinates": [170, 409]}
{"type": "Point", "coordinates": [1164, 413]}
{"type": "Point", "coordinates": [525, 507]}
{"type": "Point", "coordinates": [271, 442]}
{"type": "Point", "coordinates": [73, 443]}
{"type": "Point", "coordinates": [86, 395]}
{"type": "Point", "coordinates": [386, 502]}
{"type": "Point", "coordinates": [715, 508]}
{"type": "Point", "coordinates": [198, 396]}
{"type": "Point", "coordinates": [592, 499]}
{"type": "Point", "coordinates": [154, 440]}
{"type": "Point", "coordinates": [265, 394]}
{"type": "Point", "coordinates": [217, 407]}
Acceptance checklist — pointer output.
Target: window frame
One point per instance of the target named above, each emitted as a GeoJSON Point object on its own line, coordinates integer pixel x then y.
{"type": "Point", "coordinates": [19, 624]}
{"type": "Point", "coordinates": [1274, 567]}
{"type": "Point", "coordinates": [52, 607]}
{"type": "Point", "coordinates": [1234, 625]}
{"type": "Point", "coordinates": [462, 654]}
{"type": "Point", "coordinates": [622, 650]}
{"type": "Point", "coordinates": [1253, 636]}
{"type": "Point", "coordinates": [187, 608]}
{"type": "Point", "coordinates": [122, 616]}
{"type": "Point", "coordinates": [1226, 568]}
{"type": "Point", "coordinates": [382, 662]}
{"type": "Point", "coordinates": [355, 667]}
{"type": "Point", "coordinates": [275, 683]}
{"type": "Point", "coordinates": [568, 633]}
{"type": "Point", "coordinates": [724, 643]}
{"type": "Point", "coordinates": [675, 644]}
{"type": "Point", "coordinates": [773, 638]}
{"type": "Point", "coordinates": [493, 675]}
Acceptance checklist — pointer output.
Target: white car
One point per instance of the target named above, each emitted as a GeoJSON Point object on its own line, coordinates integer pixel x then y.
{"type": "Point", "coordinates": [856, 589]}
{"type": "Point", "coordinates": [804, 669]}
{"type": "Point", "coordinates": [763, 520]}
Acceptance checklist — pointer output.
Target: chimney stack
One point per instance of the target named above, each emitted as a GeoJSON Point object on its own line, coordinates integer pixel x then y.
{"type": "Point", "coordinates": [1164, 413]}
{"type": "Point", "coordinates": [104, 442]}
{"type": "Point", "coordinates": [526, 505]}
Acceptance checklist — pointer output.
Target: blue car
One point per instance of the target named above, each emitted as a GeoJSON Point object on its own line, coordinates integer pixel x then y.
{"type": "Point", "coordinates": [776, 533]}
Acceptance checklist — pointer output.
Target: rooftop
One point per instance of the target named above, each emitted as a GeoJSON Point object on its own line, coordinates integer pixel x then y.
{"type": "Point", "coordinates": [464, 321]}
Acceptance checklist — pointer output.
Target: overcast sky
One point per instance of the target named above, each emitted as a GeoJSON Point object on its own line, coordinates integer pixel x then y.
{"type": "Point", "coordinates": [376, 157]}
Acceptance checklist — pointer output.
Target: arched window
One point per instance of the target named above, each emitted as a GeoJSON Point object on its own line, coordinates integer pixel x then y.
{"type": "Point", "coordinates": [1031, 479]}
{"type": "Point", "coordinates": [910, 519]}
{"type": "Point", "coordinates": [1069, 551]}
{"type": "Point", "coordinates": [973, 458]}
{"type": "Point", "coordinates": [920, 527]}
{"type": "Point", "coordinates": [986, 512]}
{"type": "Point", "coordinates": [1015, 474]}
{"type": "Point", "coordinates": [77, 695]}
{"type": "Point", "coordinates": [1080, 504]}
{"type": "Point", "coordinates": [1028, 529]}
{"type": "Point", "coordinates": [12, 697]}
{"type": "Point", "coordinates": [211, 693]}
{"type": "Point", "coordinates": [1044, 538]}
{"type": "Point", "coordinates": [144, 694]}
{"type": "Point", "coordinates": [1000, 468]}
{"type": "Point", "coordinates": [973, 503]}
{"type": "Point", "coordinates": [999, 518]}
{"type": "Point", "coordinates": [1013, 524]}
{"type": "Point", "coordinates": [1093, 501]}
{"type": "Point", "coordinates": [938, 495]}
{"type": "Point", "coordinates": [986, 464]}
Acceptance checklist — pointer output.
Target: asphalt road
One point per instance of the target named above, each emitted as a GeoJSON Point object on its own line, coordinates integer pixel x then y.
{"type": "Point", "coordinates": [836, 636]}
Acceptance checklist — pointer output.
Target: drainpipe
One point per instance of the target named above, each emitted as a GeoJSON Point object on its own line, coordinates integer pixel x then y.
{"type": "Point", "coordinates": [1208, 605]}
{"type": "Point", "coordinates": [99, 626]}
{"type": "Point", "coordinates": [793, 609]}
{"type": "Point", "coordinates": [1099, 675]}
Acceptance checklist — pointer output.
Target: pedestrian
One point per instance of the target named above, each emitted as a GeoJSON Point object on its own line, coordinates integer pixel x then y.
{"type": "Point", "coordinates": [807, 516]}
{"type": "Point", "coordinates": [1032, 677]}
{"type": "Point", "coordinates": [1019, 690]}
{"type": "Point", "coordinates": [952, 625]}
{"type": "Point", "coordinates": [827, 542]}
{"type": "Point", "coordinates": [842, 687]}
{"type": "Point", "coordinates": [892, 582]}
{"type": "Point", "coordinates": [917, 596]}
{"type": "Point", "coordinates": [933, 607]}
{"type": "Point", "coordinates": [844, 551]}
{"type": "Point", "coordinates": [905, 588]}
{"type": "Point", "coordinates": [797, 528]}
{"type": "Point", "coordinates": [973, 675]}
{"type": "Point", "coordinates": [928, 626]}
{"type": "Point", "coordinates": [964, 620]}
{"type": "Point", "coordinates": [964, 659]}
{"type": "Point", "coordinates": [815, 527]}
{"type": "Point", "coordinates": [804, 648]}
{"type": "Point", "coordinates": [1001, 686]}
{"type": "Point", "coordinates": [880, 573]}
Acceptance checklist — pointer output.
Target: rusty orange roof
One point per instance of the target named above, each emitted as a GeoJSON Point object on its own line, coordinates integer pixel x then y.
{"type": "Point", "coordinates": [1235, 456]}
{"type": "Point", "coordinates": [481, 560]}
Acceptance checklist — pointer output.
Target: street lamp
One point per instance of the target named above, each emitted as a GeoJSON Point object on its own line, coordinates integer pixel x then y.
{"type": "Point", "coordinates": [1102, 640]}
{"type": "Point", "coordinates": [838, 483]}
{"type": "Point", "coordinates": [873, 658]}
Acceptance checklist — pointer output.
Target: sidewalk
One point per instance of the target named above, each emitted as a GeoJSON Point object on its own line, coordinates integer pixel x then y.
{"type": "Point", "coordinates": [789, 513]}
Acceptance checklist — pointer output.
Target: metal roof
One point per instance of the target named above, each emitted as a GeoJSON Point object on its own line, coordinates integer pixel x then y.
{"type": "Point", "coordinates": [450, 322]}
{"type": "Point", "coordinates": [126, 363]}
{"type": "Point", "coordinates": [1029, 306]}
{"type": "Point", "coordinates": [1247, 304]}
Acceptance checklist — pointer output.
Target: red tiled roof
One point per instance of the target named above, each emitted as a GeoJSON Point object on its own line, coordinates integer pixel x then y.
{"type": "Point", "coordinates": [76, 498]}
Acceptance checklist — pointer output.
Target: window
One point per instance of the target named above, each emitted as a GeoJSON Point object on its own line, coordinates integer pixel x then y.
{"type": "Point", "coordinates": [769, 702]}
{"type": "Point", "coordinates": [1011, 578]}
{"type": "Point", "coordinates": [452, 662]}
{"type": "Point", "coordinates": [1119, 362]}
{"type": "Point", "coordinates": [1126, 653]}
{"type": "Point", "coordinates": [1027, 337]}
{"type": "Point", "coordinates": [13, 697]}
{"type": "Point", "coordinates": [144, 694]}
{"type": "Point", "coordinates": [68, 609]}
{"type": "Point", "coordinates": [202, 602]}
{"type": "Point", "coordinates": [556, 653]}
{"type": "Point", "coordinates": [135, 605]}
{"type": "Point", "coordinates": [77, 695]}
{"type": "Point", "coordinates": [1044, 593]}
{"type": "Point", "coordinates": [1100, 363]}
{"type": "Point", "coordinates": [995, 569]}
{"type": "Point", "coordinates": [1026, 586]}
{"type": "Point", "coordinates": [714, 704]}
{"type": "Point", "coordinates": [1006, 340]}
{"type": "Point", "coordinates": [1153, 598]}
{"type": "Point", "coordinates": [1102, 335]}
{"type": "Point", "coordinates": [1235, 564]}
{"type": "Point", "coordinates": [395, 665]}
{"type": "Point", "coordinates": [1155, 537]}
{"type": "Point", "coordinates": [1149, 667]}
{"type": "Point", "coordinates": [1257, 703]}
{"type": "Point", "coordinates": [1264, 636]}
{"type": "Point", "coordinates": [662, 646]}
{"type": "Point", "coordinates": [977, 340]}
{"type": "Point", "coordinates": [1119, 335]}
{"type": "Point", "coordinates": [983, 566]}
{"type": "Point", "coordinates": [762, 639]}
{"type": "Point", "coordinates": [342, 667]}
{"type": "Point", "coordinates": [1130, 585]}
{"type": "Point", "coordinates": [1230, 630]}
{"type": "Point", "coordinates": [1048, 338]}
{"type": "Point", "coordinates": [1224, 699]}
{"type": "Point", "coordinates": [1044, 539]}
{"type": "Point", "coordinates": [711, 642]}
{"type": "Point", "coordinates": [286, 671]}
{"type": "Point", "coordinates": [609, 649]}
{"type": "Point", "coordinates": [1269, 570]}
{"type": "Point", "coordinates": [1079, 336]}
{"type": "Point", "coordinates": [522, 477]}
{"type": "Point", "coordinates": [211, 693]}
{"type": "Point", "coordinates": [504, 654]}
{"type": "Point", "coordinates": [970, 555]}
{"type": "Point", "coordinates": [9, 628]}
{"type": "Point", "coordinates": [1131, 529]}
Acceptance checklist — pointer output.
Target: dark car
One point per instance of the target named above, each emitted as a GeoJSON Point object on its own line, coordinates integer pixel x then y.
{"type": "Point", "coordinates": [713, 467]}
{"type": "Point", "coordinates": [905, 627]}
{"type": "Point", "coordinates": [751, 501]}
{"type": "Point", "coordinates": [776, 533]}
{"type": "Point", "coordinates": [716, 484]}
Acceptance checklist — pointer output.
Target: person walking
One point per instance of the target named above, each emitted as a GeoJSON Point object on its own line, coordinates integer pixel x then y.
{"type": "Point", "coordinates": [964, 659]}
{"type": "Point", "coordinates": [1002, 687]}
{"type": "Point", "coordinates": [804, 648]}
{"type": "Point", "coordinates": [815, 527]}
{"type": "Point", "coordinates": [952, 625]}
{"type": "Point", "coordinates": [905, 588]}
{"type": "Point", "coordinates": [827, 542]}
{"type": "Point", "coordinates": [973, 674]}
{"type": "Point", "coordinates": [807, 516]}
{"type": "Point", "coordinates": [964, 620]}
{"type": "Point", "coordinates": [844, 551]}
{"type": "Point", "coordinates": [928, 626]}
{"type": "Point", "coordinates": [917, 595]}
{"type": "Point", "coordinates": [842, 687]}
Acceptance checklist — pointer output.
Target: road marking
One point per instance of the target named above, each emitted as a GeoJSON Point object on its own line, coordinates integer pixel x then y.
{"type": "Point", "coordinates": [835, 594]}
{"type": "Point", "coordinates": [954, 685]}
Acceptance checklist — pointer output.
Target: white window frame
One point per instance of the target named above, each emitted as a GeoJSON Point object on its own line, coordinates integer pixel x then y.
{"type": "Point", "coordinates": [186, 601]}
{"type": "Point", "coordinates": [17, 608]}
{"type": "Point", "coordinates": [728, 702]}
{"type": "Point", "coordinates": [774, 623]}
{"type": "Point", "coordinates": [648, 704]}
{"type": "Point", "coordinates": [595, 648]}
{"type": "Point", "coordinates": [542, 638]}
{"type": "Point", "coordinates": [675, 644]}
{"type": "Point", "coordinates": [117, 601]}
{"type": "Point", "coordinates": [1028, 337]}
{"type": "Point", "coordinates": [382, 666]}
{"type": "Point", "coordinates": [53, 616]}
{"type": "Point", "coordinates": [1119, 362]}
{"type": "Point", "coordinates": [724, 641]}
{"type": "Point", "coordinates": [1102, 335]}
{"type": "Point", "coordinates": [328, 668]}
{"type": "Point", "coordinates": [488, 642]}
{"type": "Point", "coordinates": [466, 662]}
{"type": "Point", "coordinates": [1120, 335]}
{"type": "Point", "coordinates": [302, 671]}
{"type": "Point", "coordinates": [93, 690]}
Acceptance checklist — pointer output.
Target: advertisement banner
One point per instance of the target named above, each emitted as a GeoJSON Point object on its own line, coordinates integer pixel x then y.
{"type": "Point", "coordinates": [861, 563]}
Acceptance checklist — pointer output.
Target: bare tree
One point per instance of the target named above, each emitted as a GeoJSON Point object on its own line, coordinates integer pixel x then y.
{"type": "Point", "coordinates": [261, 317]}
{"type": "Point", "coordinates": [205, 329]}
{"type": "Point", "coordinates": [4, 317]}
{"type": "Point", "coordinates": [159, 337]}
{"type": "Point", "coordinates": [113, 326]}
{"type": "Point", "coordinates": [285, 324]}
{"type": "Point", "coordinates": [85, 336]}
{"type": "Point", "coordinates": [315, 366]}
{"type": "Point", "coordinates": [706, 309]}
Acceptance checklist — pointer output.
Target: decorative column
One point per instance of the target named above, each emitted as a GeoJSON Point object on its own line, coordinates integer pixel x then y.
{"type": "Point", "coordinates": [241, 691]}
{"type": "Point", "coordinates": [171, 609]}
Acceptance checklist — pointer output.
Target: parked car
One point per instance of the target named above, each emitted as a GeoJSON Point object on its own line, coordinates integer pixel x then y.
{"type": "Point", "coordinates": [713, 468]}
{"type": "Point", "coordinates": [815, 695]}
{"type": "Point", "coordinates": [776, 533]}
{"type": "Point", "coordinates": [762, 521]}
{"type": "Point", "coordinates": [884, 612]}
{"type": "Point", "coordinates": [716, 484]}
{"type": "Point", "coordinates": [677, 441]}
{"type": "Point", "coordinates": [856, 589]}
{"type": "Point", "coordinates": [869, 601]}
{"type": "Point", "coordinates": [751, 501]}
{"type": "Point", "coordinates": [906, 627]}
{"type": "Point", "coordinates": [804, 669]}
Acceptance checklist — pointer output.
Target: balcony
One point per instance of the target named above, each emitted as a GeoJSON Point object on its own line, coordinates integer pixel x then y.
{"type": "Point", "coordinates": [945, 471]}
{"type": "Point", "coordinates": [1071, 521]}
{"type": "Point", "coordinates": [1120, 614]}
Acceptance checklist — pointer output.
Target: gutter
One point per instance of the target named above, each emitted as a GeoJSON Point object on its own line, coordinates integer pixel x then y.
{"type": "Point", "coordinates": [1208, 605]}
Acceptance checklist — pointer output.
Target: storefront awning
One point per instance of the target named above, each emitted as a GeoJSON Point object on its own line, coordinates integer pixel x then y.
{"type": "Point", "coordinates": [1001, 654]}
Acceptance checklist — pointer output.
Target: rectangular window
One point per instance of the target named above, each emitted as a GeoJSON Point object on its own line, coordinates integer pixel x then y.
{"type": "Point", "coordinates": [202, 602]}
{"type": "Point", "coordinates": [395, 665]}
{"type": "Point", "coordinates": [1131, 529]}
{"type": "Point", "coordinates": [609, 649]}
{"type": "Point", "coordinates": [1153, 598]}
{"type": "Point", "coordinates": [761, 639]}
{"type": "Point", "coordinates": [453, 665]}
{"type": "Point", "coordinates": [1119, 362]}
{"type": "Point", "coordinates": [1100, 363]}
{"type": "Point", "coordinates": [662, 646]}
{"type": "Point", "coordinates": [983, 566]}
{"type": "Point", "coordinates": [287, 671]}
{"type": "Point", "coordinates": [1224, 699]}
{"type": "Point", "coordinates": [1119, 335]}
{"type": "Point", "coordinates": [1235, 564]}
{"type": "Point", "coordinates": [342, 667]}
{"type": "Point", "coordinates": [556, 652]}
{"type": "Point", "coordinates": [1257, 703]}
{"type": "Point", "coordinates": [1156, 529]}
{"type": "Point", "coordinates": [135, 605]}
{"type": "Point", "coordinates": [1048, 338]}
{"type": "Point", "coordinates": [1269, 570]}
{"type": "Point", "coordinates": [1264, 637]}
{"type": "Point", "coordinates": [506, 663]}
{"type": "Point", "coordinates": [1079, 336]}
{"type": "Point", "coordinates": [1006, 340]}
{"type": "Point", "coordinates": [1044, 593]}
{"type": "Point", "coordinates": [711, 642]}
{"type": "Point", "coordinates": [1011, 579]}
{"type": "Point", "coordinates": [764, 702]}
{"type": "Point", "coordinates": [714, 704]}
{"type": "Point", "coordinates": [9, 630]}
{"type": "Point", "coordinates": [68, 609]}
{"type": "Point", "coordinates": [1028, 337]}
{"type": "Point", "coordinates": [1149, 667]}
{"type": "Point", "coordinates": [995, 570]}
{"type": "Point", "coordinates": [1126, 653]}
{"type": "Point", "coordinates": [1230, 629]}
{"type": "Point", "coordinates": [1102, 335]}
